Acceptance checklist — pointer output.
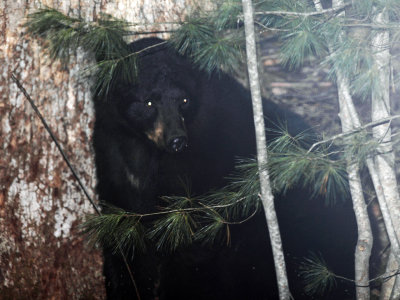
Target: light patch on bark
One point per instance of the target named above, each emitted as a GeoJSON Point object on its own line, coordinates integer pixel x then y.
{"type": "Point", "coordinates": [5, 130]}
{"type": "Point", "coordinates": [29, 210]}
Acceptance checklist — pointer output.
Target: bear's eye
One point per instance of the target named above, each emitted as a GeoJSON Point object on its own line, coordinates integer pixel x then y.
{"type": "Point", "coordinates": [185, 101]}
{"type": "Point", "coordinates": [149, 104]}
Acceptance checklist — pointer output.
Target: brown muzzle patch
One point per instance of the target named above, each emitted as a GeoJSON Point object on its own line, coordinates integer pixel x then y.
{"type": "Point", "coordinates": [157, 134]}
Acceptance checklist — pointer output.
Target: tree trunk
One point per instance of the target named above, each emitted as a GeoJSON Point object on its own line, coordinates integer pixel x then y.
{"type": "Point", "coordinates": [385, 160]}
{"type": "Point", "coordinates": [364, 234]}
{"type": "Point", "coordinates": [380, 177]}
{"type": "Point", "coordinates": [43, 256]}
{"type": "Point", "coordinates": [267, 197]}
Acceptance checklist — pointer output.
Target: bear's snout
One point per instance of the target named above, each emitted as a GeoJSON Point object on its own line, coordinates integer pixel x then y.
{"type": "Point", "coordinates": [177, 144]}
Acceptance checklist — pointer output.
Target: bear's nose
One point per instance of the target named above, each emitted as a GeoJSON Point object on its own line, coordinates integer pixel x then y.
{"type": "Point", "coordinates": [177, 144]}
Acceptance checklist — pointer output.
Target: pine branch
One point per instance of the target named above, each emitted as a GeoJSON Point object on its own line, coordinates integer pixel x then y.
{"type": "Point", "coordinates": [126, 231]}
{"type": "Point", "coordinates": [63, 35]}
{"type": "Point", "coordinates": [293, 166]}
{"type": "Point", "coordinates": [208, 43]}
{"type": "Point", "coordinates": [184, 220]}
{"type": "Point", "coordinates": [104, 37]}
{"type": "Point", "coordinates": [303, 39]}
{"type": "Point", "coordinates": [174, 230]}
{"type": "Point", "coordinates": [317, 277]}
{"type": "Point", "coordinates": [213, 231]}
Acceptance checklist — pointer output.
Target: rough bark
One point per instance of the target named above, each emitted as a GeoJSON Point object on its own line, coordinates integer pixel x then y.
{"type": "Point", "coordinates": [267, 197]}
{"type": "Point", "coordinates": [42, 254]}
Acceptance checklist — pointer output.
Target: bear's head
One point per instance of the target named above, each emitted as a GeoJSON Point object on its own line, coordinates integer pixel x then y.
{"type": "Point", "coordinates": [160, 105]}
{"type": "Point", "coordinates": [158, 114]}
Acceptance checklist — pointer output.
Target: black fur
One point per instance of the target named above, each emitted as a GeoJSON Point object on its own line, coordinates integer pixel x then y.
{"type": "Point", "coordinates": [178, 123]}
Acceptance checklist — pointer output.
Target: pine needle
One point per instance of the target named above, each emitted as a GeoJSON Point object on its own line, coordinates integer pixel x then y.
{"type": "Point", "coordinates": [212, 229]}
{"type": "Point", "coordinates": [172, 231]}
{"type": "Point", "coordinates": [63, 35]}
{"type": "Point", "coordinates": [302, 40]}
{"type": "Point", "coordinates": [317, 277]}
{"type": "Point", "coordinates": [116, 230]}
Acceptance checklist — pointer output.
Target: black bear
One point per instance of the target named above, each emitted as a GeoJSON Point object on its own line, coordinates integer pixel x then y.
{"type": "Point", "coordinates": [178, 122]}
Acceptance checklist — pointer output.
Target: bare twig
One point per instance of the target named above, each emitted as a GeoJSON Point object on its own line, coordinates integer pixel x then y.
{"type": "Point", "coordinates": [303, 14]}
{"type": "Point", "coordinates": [358, 129]}
{"type": "Point", "coordinates": [373, 26]}
{"type": "Point", "coordinates": [149, 32]}
{"type": "Point", "coordinates": [383, 277]}
{"type": "Point", "coordinates": [180, 210]}
{"type": "Point", "coordinates": [147, 48]}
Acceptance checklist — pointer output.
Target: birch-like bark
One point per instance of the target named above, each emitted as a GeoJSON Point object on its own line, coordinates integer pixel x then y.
{"type": "Point", "coordinates": [343, 88]}
{"type": "Point", "coordinates": [385, 159]}
{"type": "Point", "coordinates": [364, 234]}
{"type": "Point", "coordinates": [377, 179]}
{"type": "Point", "coordinates": [267, 197]}
{"type": "Point", "coordinates": [364, 238]}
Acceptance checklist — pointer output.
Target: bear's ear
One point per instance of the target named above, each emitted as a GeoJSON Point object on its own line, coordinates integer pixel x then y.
{"type": "Point", "coordinates": [121, 91]}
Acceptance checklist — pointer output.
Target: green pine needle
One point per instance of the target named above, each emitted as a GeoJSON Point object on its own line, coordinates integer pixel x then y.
{"type": "Point", "coordinates": [302, 40]}
{"type": "Point", "coordinates": [391, 6]}
{"type": "Point", "coordinates": [366, 81]}
{"type": "Point", "coordinates": [291, 166]}
{"type": "Point", "coordinates": [360, 146]}
{"type": "Point", "coordinates": [63, 35]}
{"type": "Point", "coordinates": [60, 32]}
{"type": "Point", "coordinates": [173, 230]}
{"type": "Point", "coordinates": [332, 183]}
{"type": "Point", "coordinates": [212, 233]}
{"type": "Point", "coordinates": [47, 20]}
{"type": "Point", "coordinates": [193, 32]}
{"type": "Point", "coordinates": [317, 277]}
{"type": "Point", "coordinates": [363, 9]}
{"type": "Point", "coordinates": [227, 15]}
{"type": "Point", "coordinates": [116, 230]}
{"type": "Point", "coordinates": [106, 38]}
{"type": "Point", "coordinates": [219, 53]}
{"type": "Point", "coordinates": [209, 44]}
{"type": "Point", "coordinates": [110, 72]}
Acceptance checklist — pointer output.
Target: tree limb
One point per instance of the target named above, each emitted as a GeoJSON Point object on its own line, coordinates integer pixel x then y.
{"type": "Point", "coordinates": [358, 129]}
{"type": "Point", "coordinates": [303, 14]}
